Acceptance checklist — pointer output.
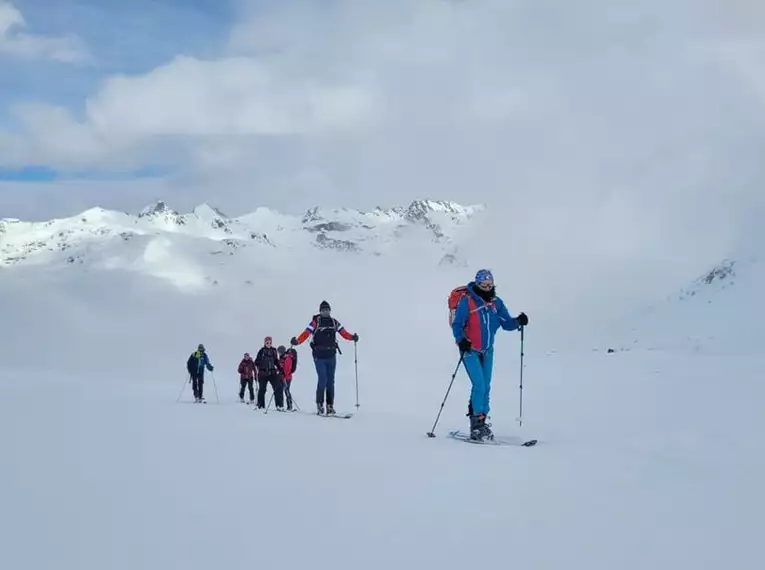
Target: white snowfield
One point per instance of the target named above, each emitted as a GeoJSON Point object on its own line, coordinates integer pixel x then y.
{"type": "Point", "coordinates": [649, 458]}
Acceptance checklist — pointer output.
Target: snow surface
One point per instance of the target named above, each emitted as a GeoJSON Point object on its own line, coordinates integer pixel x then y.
{"type": "Point", "coordinates": [648, 459]}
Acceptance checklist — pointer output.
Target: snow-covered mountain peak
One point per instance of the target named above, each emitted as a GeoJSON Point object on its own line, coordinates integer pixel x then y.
{"type": "Point", "coordinates": [158, 208]}
{"type": "Point", "coordinates": [159, 211]}
{"type": "Point", "coordinates": [719, 277]}
{"type": "Point", "coordinates": [718, 308]}
{"type": "Point", "coordinates": [207, 212]}
{"type": "Point", "coordinates": [419, 209]}
{"type": "Point", "coordinates": [212, 217]}
{"type": "Point", "coordinates": [341, 229]}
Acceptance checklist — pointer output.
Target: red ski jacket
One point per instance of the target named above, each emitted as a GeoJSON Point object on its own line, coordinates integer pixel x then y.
{"type": "Point", "coordinates": [286, 361]}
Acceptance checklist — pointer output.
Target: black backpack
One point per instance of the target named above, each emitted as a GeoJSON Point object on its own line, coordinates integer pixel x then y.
{"type": "Point", "coordinates": [266, 360]}
{"type": "Point", "coordinates": [324, 337]}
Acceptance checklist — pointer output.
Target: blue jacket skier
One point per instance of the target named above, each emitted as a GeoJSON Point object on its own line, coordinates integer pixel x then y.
{"type": "Point", "coordinates": [477, 317]}
{"type": "Point", "coordinates": [196, 365]}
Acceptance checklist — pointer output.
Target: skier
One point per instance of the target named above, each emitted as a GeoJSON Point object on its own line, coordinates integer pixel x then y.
{"type": "Point", "coordinates": [269, 370]}
{"type": "Point", "coordinates": [247, 374]}
{"type": "Point", "coordinates": [287, 361]}
{"type": "Point", "coordinates": [476, 316]}
{"type": "Point", "coordinates": [323, 328]}
{"type": "Point", "coordinates": [196, 365]}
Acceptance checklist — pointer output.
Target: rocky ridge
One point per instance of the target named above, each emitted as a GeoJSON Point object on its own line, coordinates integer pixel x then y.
{"type": "Point", "coordinates": [341, 230]}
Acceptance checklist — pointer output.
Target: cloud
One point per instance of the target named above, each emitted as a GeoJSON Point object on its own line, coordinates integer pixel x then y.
{"type": "Point", "coordinates": [606, 137]}
{"type": "Point", "coordinates": [183, 106]}
{"type": "Point", "coordinates": [15, 42]}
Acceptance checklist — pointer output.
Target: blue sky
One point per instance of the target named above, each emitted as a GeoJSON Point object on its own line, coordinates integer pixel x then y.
{"type": "Point", "coordinates": [136, 35]}
{"type": "Point", "coordinates": [124, 37]}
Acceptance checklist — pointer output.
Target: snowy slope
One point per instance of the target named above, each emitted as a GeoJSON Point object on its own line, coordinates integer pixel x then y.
{"type": "Point", "coordinates": [719, 311]}
{"type": "Point", "coordinates": [646, 459]}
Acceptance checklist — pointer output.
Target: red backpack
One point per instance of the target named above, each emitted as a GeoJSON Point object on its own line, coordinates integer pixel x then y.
{"type": "Point", "coordinates": [454, 299]}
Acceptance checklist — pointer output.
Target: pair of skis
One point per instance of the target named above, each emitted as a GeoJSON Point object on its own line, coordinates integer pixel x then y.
{"type": "Point", "coordinates": [337, 416]}
{"type": "Point", "coordinates": [493, 440]}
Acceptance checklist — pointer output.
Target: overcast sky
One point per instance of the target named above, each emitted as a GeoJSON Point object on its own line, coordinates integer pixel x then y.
{"type": "Point", "coordinates": [642, 119]}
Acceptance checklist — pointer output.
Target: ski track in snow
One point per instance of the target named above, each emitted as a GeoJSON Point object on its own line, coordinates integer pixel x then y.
{"type": "Point", "coordinates": [643, 462]}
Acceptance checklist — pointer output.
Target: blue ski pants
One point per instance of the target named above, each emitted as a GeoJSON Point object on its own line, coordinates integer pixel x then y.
{"type": "Point", "coordinates": [325, 370]}
{"type": "Point", "coordinates": [478, 366]}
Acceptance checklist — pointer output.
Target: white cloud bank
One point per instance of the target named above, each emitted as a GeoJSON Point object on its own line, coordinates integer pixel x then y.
{"type": "Point", "coordinates": [630, 129]}
{"type": "Point", "coordinates": [16, 42]}
{"type": "Point", "coordinates": [506, 75]}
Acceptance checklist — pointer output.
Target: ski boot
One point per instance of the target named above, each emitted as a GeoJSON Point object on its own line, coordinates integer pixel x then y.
{"type": "Point", "coordinates": [486, 432]}
{"type": "Point", "coordinates": [320, 409]}
{"type": "Point", "coordinates": [476, 433]}
{"type": "Point", "coordinates": [330, 410]}
{"type": "Point", "coordinates": [470, 413]}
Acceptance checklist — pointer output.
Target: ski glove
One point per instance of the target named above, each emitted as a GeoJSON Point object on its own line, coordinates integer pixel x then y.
{"type": "Point", "coordinates": [355, 337]}
{"type": "Point", "coordinates": [522, 319]}
{"type": "Point", "coordinates": [464, 345]}
{"type": "Point", "coordinates": [293, 341]}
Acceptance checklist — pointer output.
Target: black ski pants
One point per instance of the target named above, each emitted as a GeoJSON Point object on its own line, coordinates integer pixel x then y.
{"type": "Point", "coordinates": [246, 383]}
{"type": "Point", "coordinates": [276, 383]}
{"type": "Point", "coordinates": [197, 384]}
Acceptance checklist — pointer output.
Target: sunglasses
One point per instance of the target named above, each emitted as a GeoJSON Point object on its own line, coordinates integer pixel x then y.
{"type": "Point", "coordinates": [486, 285]}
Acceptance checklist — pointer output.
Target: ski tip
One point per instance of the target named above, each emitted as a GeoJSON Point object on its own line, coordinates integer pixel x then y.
{"type": "Point", "coordinates": [529, 443]}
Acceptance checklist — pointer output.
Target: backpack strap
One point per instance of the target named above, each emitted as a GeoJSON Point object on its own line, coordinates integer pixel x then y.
{"type": "Point", "coordinates": [475, 306]}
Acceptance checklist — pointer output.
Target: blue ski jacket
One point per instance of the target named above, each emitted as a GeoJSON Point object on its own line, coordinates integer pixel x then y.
{"type": "Point", "coordinates": [479, 321]}
{"type": "Point", "coordinates": [197, 363]}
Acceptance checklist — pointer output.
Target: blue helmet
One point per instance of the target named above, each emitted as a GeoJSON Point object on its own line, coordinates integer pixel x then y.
{"type": "Point", "coordinates": [484, 275]}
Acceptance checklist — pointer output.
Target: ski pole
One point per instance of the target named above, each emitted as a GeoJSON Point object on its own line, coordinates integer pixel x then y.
{"type": "Point", "coordinates": [356, 365]}
{"type": "Point", "coordinates": [431, 433]}
{"type": "Point", "coordinates": [269, 402]}
{"type": "Point", "coordinates": [520, 414]}
{"type": "Point", "coordinates": [178, 399]}
{"type": "Point", "coordinates": [215, 387]}
{"type": "Point", "coordinates": [288, 392]}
